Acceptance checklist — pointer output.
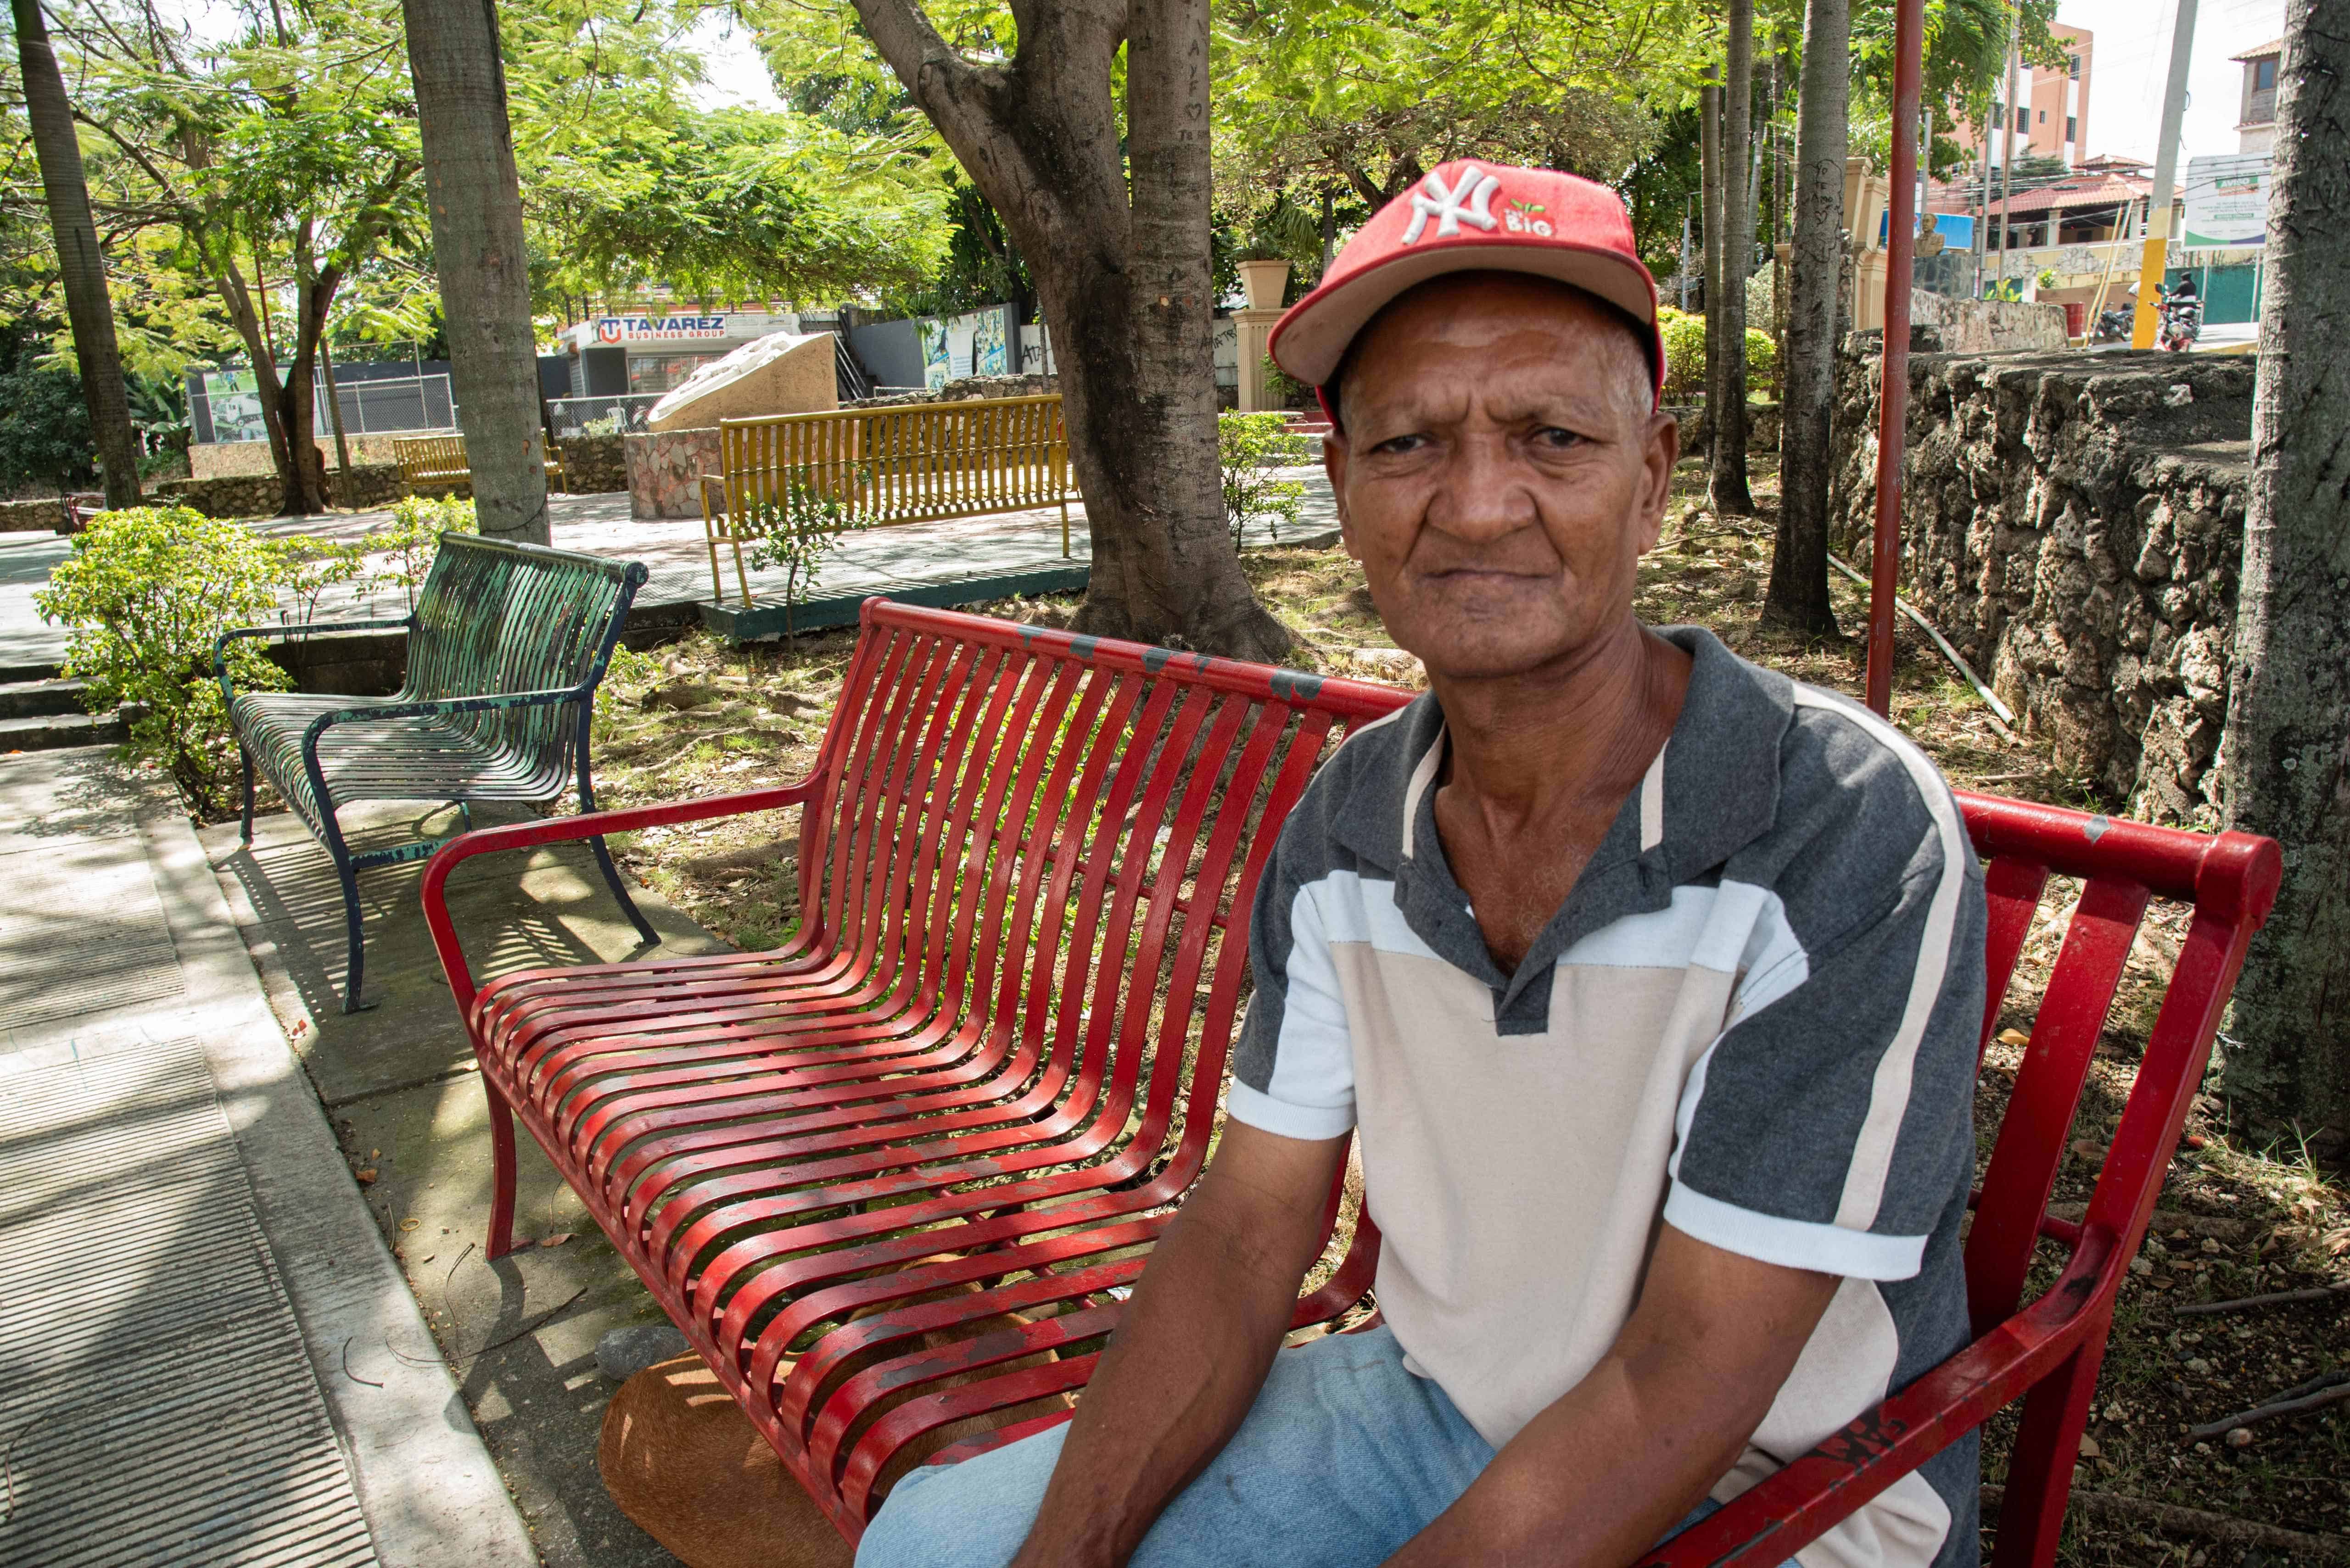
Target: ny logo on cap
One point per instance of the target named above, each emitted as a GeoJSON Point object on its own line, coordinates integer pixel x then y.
{"type": "Point", "coordinates": [1447, 207]}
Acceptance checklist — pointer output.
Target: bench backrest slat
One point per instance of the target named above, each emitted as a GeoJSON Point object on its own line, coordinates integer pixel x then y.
{"type": "Point", "coordinates": [495, 618]}
{"type": "Point", "coordinates": [1024, 814]}
{"type": "Point", "coordinates": [916, 462]}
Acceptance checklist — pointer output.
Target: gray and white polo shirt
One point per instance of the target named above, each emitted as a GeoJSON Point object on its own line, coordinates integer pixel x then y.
{"type": "Point", "coordinates": [1754, 1017]}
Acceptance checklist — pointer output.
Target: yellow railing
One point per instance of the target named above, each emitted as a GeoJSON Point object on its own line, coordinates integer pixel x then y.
{"type": "Point", "coordinates": [438, 462]}
{"type": "Point", "coordinates": [919, 463]}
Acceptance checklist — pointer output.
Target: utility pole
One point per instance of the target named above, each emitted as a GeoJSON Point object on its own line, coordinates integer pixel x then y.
{"type": "Point", "coordinates": [2007, 144]}
{"type": "Point", "coordinates": [1982, 208]}
{"type": "Point", "coordinates": [2166, 170]}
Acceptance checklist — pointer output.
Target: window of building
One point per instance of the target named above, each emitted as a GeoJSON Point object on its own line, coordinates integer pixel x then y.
{"type": "Point", "coordinates": [2024, 117]}
{"type": "Point", "coordinates": [2263, 75]}
{"type": "Point", "coordinates": [2072, 128]}
{"type": "Point", "coordinates": [2073, 67]}
{"type": "Point", "coordinates": [660, 372]}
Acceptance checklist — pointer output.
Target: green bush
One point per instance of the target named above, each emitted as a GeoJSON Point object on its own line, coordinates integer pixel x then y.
{"type": "Point", "coordinates": [1684, 335]}
{"type": "Point", "coordinates": [147, 592]}
{"type": "Point", "coordinates": [1247, 445]}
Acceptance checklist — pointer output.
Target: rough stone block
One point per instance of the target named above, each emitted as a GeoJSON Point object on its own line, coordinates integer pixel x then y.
{"type": "Point", "coordinates": [782, 373]}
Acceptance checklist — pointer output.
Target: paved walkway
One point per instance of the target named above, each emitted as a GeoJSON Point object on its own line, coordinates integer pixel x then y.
{"type": "Point", "coordinates": [400, 1085]}
{"type": "Point", "coordinates": [870, 562]}
{"type": "Point", "coordinates": [206, 1355]}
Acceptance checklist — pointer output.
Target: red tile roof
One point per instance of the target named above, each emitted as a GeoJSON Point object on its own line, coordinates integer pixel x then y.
{"type": "Point", "coordinates": [2264, 52]}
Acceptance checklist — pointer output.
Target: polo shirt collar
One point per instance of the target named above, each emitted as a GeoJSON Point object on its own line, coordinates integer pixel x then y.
{"type": "Point", "coordinates": [1713, 790]}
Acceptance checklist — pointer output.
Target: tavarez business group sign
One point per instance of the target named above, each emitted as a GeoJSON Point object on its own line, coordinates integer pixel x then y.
{"type": "Point", "coordinates": [612, 330]}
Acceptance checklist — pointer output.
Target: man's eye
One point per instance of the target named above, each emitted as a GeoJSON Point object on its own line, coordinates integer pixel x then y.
{"type": "Point", "coordinates": [1557, 439]}
{"type": "Point", "coordinates": [1401, 443]}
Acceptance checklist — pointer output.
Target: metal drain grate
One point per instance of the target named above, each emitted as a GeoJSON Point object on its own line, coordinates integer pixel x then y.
{"type": "Point", "coordinates": [156, 1404]}
{"type": "Point", "coordinates": [81, 931]}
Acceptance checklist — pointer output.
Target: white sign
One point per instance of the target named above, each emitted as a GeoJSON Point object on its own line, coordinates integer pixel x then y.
{"type": "Point", "coordinates": [613, 331]}
{"type": "Point", "coordinates": [2227, 200]}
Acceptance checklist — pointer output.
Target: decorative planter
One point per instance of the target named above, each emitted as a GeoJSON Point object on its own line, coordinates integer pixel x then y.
{"type": "Point", "coordinates": [1264, 281]}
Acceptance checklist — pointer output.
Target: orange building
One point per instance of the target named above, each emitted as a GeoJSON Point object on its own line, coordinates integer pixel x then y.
{"type": "Point", "coordinates": [2051, 111]}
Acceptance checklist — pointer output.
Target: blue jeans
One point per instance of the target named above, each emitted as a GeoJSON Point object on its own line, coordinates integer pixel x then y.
{"type": "Point", "coordinates": [1344, 1456]}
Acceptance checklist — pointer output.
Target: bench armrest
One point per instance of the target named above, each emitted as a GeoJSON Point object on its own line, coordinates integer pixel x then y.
{"type": "Point", "coordinates": [304, 629]}
{"type": "Point", "coordinates": [562, 830]}
{"type": "Point", "coordinates": [1769, 1523]}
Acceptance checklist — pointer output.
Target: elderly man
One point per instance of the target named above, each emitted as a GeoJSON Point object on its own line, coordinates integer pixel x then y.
{"type": "Point", "coordinates": [1649, 979]}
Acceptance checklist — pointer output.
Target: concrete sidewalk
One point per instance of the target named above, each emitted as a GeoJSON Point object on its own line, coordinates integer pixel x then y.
{"type": "Point", "coordinates": [206, 1354]}
{"type": "Point", "coordinates": [400, 1085]}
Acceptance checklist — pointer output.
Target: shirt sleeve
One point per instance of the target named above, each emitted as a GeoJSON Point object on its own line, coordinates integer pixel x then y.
{"type": "Point", "coordinates": [1293, 1065]}
{"type": "Point", "coordinates": [1830, 1125]}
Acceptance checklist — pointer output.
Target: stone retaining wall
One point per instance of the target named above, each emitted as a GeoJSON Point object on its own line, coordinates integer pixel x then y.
{"type": "Point", "coordinates": [261, 495]}
{"type": "Point", "coordinates": [43, 515]}
{"type": "Point", "coordinates": [967, 387]}
{"type": "Point", "coordinates": [2073, 523]}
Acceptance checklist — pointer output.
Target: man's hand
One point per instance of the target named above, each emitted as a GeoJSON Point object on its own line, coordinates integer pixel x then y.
{"type": "Point", "coordinates": [1618, 1459]}
{"type": "Point", "coordinates": [1192, 1349]}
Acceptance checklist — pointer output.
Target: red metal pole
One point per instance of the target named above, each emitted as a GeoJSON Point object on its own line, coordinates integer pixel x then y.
{"type": "Point", "coordinates": [1893, 398]}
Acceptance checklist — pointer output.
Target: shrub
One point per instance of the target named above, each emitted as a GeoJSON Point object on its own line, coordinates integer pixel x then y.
{"type": "Point", "coordinates": [796, 533]}
{"type": "Point", "coordinates": [1685, 355]}
{"type": "Point", "coordinates": [147, 592]}
{"type": "Point", "coordinates": [1285, 388]}
{"type": "Point", "coordinates": [1247, 445]}
{"type": "Point", "coordinates": [413, 538]}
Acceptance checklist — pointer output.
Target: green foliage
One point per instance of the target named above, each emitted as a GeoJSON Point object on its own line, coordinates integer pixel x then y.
{"type": "Point", "coordinates": [147, 592]}
{"type": "Point", "coordinates": [1285, 387]}
{"type": "Point", "coordinates": [1248, 447]}
{"type": "Point", "coordinates": [1685, 355]}
{"type": "Point", "coordinates": [44, 429]}
{"type": "Point", "coordinates": [307, 568]}
{"type": "Point", "coordinates": [796, 533]}
{"type": "Point", "coordinates": [413, 538]}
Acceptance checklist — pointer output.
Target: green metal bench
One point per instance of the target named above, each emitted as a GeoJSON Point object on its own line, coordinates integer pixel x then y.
{"type": "Point", "coordinates": [505, 647]}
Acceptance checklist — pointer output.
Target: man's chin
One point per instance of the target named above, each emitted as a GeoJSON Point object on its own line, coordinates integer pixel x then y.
{"type": "Point", "coordinates": [1490, 653]}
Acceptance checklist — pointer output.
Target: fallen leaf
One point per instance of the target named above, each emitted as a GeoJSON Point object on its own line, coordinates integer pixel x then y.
{"type": "Point", "coordinates": [375, 1153]}
{"type": "Point", "coordinates": [2013, 1037]}
{"type": "Point", "coordinates": [367, 1176]}
{"type": "Point", "coordinates": [556, 1240]}
{"type": "Point", "coordinates": [2089, 1450]}
{"type": "Point", "coordinates": [2242, 1437]}
{"type": "Point", "coordinates": [2196, 1140]}
{"type": "Point", "coordinates": [2088, 1148]}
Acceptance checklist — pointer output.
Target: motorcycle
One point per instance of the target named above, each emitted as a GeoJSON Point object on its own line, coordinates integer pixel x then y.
{"type": "Point", "coordinates": [2183, 322]}
{"type": "Point", "coordinates": [2113, 326]}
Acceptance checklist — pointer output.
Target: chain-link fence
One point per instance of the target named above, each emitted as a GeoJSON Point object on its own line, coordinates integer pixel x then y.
{"type": "Point", "coordinates": [571, 417]}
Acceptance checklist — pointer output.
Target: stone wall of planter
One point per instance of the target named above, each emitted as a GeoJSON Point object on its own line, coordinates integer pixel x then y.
{"type": "Point", "coordinates": [2074, 523]}
{"type": "Point", "coordinates": [260, 494]}
{"type": "Point", "coordinates": [665, 470]}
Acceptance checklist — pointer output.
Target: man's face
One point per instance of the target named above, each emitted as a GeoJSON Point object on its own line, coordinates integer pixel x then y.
{"type": "Point", "coordinates": [1501, 471]}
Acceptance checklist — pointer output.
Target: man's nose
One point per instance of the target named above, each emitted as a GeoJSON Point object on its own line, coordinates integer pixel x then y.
{"type": "Point", "coordinates": [1484, 492]}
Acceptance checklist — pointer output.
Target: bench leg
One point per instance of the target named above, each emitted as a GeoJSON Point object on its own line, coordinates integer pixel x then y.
{"type": "Point", "coordinates": [500, 1241]}
{"type": "Point", "coordinates": [245, 832]}
{"type": "Point", "coordinates": [645, 931]}
{"type": "Point", "coordinates": [2040, 1467]}
{"type": "Point", "coordinates": [355, 967]}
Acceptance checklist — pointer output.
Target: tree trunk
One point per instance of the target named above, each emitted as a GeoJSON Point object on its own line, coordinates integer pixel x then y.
{"type": "Point", "coordinates": [1709, 202]}
{"type": "Point", "coordinates": [475, 198]}
{"type": "Point", "coordinates": [1798, 595]}
{"type": "Point", "coordinates": [1726, 485]}
{"type": "Point", "coordinates": [2285, 754]}
{"type": "Point", "coordinates": [1123, 273]}
{"type": "Point", "coordinates": [81, 267]}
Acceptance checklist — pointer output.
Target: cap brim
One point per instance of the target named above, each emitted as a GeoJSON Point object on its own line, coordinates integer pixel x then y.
{"type": "Point", "coordinates": [1312, 338]}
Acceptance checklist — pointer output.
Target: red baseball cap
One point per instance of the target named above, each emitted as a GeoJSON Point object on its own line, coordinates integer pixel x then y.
{"type": "Point", "coordinates": [1469, 216]}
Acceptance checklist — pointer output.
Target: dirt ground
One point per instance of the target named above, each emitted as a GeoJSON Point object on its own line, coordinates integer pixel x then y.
{"type": "Point", "coordinates": [2239, 1215]}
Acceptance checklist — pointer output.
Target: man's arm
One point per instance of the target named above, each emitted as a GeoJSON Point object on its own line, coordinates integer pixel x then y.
{"type": "Point", "coordinates": [1624, 1455]}
{"type": "Point", "coordinates": [1192, 1349]}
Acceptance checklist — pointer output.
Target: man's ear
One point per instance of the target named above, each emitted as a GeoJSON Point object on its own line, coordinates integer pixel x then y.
{"type": "Point", "coordinates": [1334, 465]}
{"type": "Point", "coordinates": [1656, 460]}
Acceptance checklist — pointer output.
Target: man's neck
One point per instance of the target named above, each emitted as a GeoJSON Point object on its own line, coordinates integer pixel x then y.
{"type": "Point", "coordinates": [1568, 736]}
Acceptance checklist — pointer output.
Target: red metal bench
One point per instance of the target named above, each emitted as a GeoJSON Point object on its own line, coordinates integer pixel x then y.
{"type": "Point", "coordinates": [982, 1073]}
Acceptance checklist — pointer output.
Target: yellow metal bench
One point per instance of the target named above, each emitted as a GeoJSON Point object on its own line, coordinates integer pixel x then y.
{"type": "Point", "coordinates": [918, 463]}
{"type": "Point", "coordinates": [438, 462]}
